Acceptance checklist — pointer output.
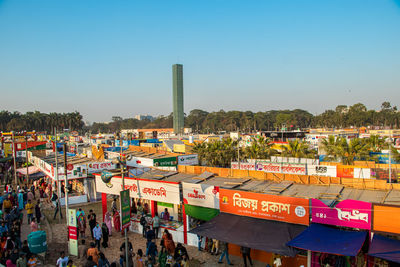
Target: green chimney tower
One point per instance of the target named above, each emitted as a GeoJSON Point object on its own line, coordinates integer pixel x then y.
{"type": "Point", "coordinates": [177, 86]}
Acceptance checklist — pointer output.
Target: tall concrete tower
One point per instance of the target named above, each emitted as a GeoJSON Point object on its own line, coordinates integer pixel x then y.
{"type": "Point", "coordinates": [177, 86]}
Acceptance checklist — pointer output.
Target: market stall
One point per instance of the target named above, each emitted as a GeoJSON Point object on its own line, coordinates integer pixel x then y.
{"type": "Point", "coordinates": [159, 194]}
{"type": "Point", "coordinates": [385, 243]}
{"type": "Point", "coordinates": [338, 244]}
{"type": "Point", "coordinates": [262, 222]}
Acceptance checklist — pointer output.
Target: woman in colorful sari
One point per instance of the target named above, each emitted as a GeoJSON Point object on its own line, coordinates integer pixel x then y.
{"type": "Point", "coordinates": [82, 225]}
{"type": "Point", "coordinates": [117, 221]}
{"type": "Point", "coordinates": [107, 220]}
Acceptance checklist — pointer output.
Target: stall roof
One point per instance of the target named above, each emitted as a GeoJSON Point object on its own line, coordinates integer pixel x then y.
{"type": "Point", "coordinates": [385, 248]}
{"type": "Point", "coordinates": [75, 160]}
{"type": "Point", "coordinates": [228, 183]}
{"type": "Point", "coordinates": [156, 174]}
{"type": "Point", "coordinates": [142, 154]}
{"type": "Point", "coordinates": [265, 235]}
{"type": "Point", "coordinates": [320, 238]}
{"type": "Point", "coordinates": [329, 194]}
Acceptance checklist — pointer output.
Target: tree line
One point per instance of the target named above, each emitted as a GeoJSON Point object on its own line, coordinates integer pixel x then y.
{"type": "Point", "coordinates": [40, 122]}
{"type": "Point", "coordinates": [247, 121]}
{"type": "Point", "coordinates": [337, 149]}
{"type": "Point", "coordinates": [211, 122]}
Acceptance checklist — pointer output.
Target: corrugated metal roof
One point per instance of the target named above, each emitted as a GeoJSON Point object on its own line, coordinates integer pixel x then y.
{"type": "Point", "coordinates": [228, 183]}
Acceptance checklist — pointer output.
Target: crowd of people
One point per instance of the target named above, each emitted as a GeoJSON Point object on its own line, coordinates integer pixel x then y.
{"type": "Point", "coordinates": [13, 203]}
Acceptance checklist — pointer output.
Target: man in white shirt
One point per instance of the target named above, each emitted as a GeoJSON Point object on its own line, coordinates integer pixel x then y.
{"type": "Point", "coordinates": [62, 260]}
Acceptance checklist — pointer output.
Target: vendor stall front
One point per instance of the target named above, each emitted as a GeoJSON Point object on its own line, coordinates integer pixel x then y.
{"type": "Point", "coordinates": [201, 203]}
{"type": "Point", "coordinates": [159, 194]}
{"type": "Point", "coordinates": [385, 244]}
{"type": "Point", "coordinates": [335, 244]}
{"type": "Point", "coordinates": [262, 222]}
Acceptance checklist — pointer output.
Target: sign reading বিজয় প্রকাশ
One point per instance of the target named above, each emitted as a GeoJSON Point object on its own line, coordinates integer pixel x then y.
{"type": "Point", "coordinates": [348, 213]}
{"type": "Point", "coordinates": [264, 206]}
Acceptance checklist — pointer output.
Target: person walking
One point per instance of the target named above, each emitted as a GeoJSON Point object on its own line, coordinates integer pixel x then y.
{"type": "Point", "coordinates": [97, 233]}
{"type": "Point", "coordinates": [168, 242]}
{"type": "Point", "coordinates": [225, 253]}
{"type": "Point", "coordinates": [56, 203]}
{"type": "Point", "coordinates": [29, 211]}
{"type": "Point", "coordinates": [82, 225]}
{"type": "Point", "coordinates": [38, 212]}
{"type": "Point", "coordinates": [104, 230]}
{"type": "Point", "coordinates": [143, 223]}
{"type": "Point", "coordinates": [92, 221]}
{"type": "Point", "coordinates": [107, 220]}
{"type": "Point", "coordinates": [34, 225]}
{"type": "Point", "coordinates": [156, 224]}
{"type": "Point", "coordinates": [93, 252]}
{"type": "Point", "coordinates": [103, 262]}
{"type": "Point", "coordinates": [139, 259]}
{"type": "Point", "coordinates": [62, 260]}
{"type": "Point", "coordinates": [20, 200]}
{"type": "Point", "coordinates": [117, 221]}
{"type": "Point", "coordinates": [246, 255]}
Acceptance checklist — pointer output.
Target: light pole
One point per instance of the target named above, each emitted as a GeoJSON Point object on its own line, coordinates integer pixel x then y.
{"type": "Point", "coordinates": [15, 158]}
{"type": "Point", "coordinates": [123, 187]}
{"type": "Point", "coordinates": [390, 159]}
{"type": "Point", "coordinates": [66, 181]}
{"type": "Point", "coordinates": [56, 171]}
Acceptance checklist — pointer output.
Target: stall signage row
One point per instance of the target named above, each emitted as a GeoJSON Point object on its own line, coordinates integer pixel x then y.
{"type": "Point", "coordinates": [202, 195]}
{"type": "Point", "coordinates": [348, 213]}
{"type": "Point", "coordinates": [304, 169]}
{"type": "Point", "coordinates": [263, 206]}
{"type": "Point", "coordinates": [386, 219]}
{"type": "Point", "coordinates": [189, 160]}
{"type": "Point", "coordinates": [166, 162]}
{"type": "Point", "coordinates": [100, 166]}
{"type": "Point", "coordinates": [146, 189]}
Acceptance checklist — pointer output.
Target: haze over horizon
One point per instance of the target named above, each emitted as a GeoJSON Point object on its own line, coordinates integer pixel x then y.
{"type": "Point", "coordinates": [104, 59]}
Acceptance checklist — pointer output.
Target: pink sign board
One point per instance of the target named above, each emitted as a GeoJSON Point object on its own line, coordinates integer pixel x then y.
{"type": "Point", "coordinates": [348, 213]}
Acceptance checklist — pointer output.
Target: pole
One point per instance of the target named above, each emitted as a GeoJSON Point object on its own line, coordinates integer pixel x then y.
{"type": "Point", "coordinates": [56, 170]}
{"type": "Point", "coordinates": [15, 159]}
{"type": "Point", "coordinates": [66, 181]}
{"type": "Point", "coordinates": [308, 258]}
{"type": "Point", "coordinates": [26, 157]}
{"type": "Point", "coordinates": [390, 159]}
{"type": "Point", "coordinates": [123, 186]}
{"type": "Point", "coordinates": [238, 153]}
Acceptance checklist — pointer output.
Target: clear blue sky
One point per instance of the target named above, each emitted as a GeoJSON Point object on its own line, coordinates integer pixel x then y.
{"type": "Point", "coordinates": [106, 58]}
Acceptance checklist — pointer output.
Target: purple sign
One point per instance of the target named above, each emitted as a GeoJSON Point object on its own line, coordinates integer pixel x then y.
{"type": "Point", "coordinates": [348, 213]}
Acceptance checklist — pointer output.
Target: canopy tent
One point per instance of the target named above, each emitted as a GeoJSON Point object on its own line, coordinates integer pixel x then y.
{"type": "Point", "coordinates": [385, 248]}
{"type": "Point", "coordinates": [36, 176]}
{"type": "Point", "coordinates": [201, 213]}
{"type": "Point", "coordinates": [2, 160]}
{"type": "Point", "coordinates": [326, 239]}
{"type": "Point", "coordinates": [31, 170]}
{"type": "Point", "coordinates": [265, 235]}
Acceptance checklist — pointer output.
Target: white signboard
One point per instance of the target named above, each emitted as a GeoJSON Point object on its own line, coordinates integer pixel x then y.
{"type": "Point", "coordinates": [201, 195]}
{"type": "Point", "coordinates": [364, 173]}
{"type": "Point", "coordinates": [235, 165]}
{"type": "Point", "coordinates": [247, 166]}
{"type": "Point", "coordinates": [140, 162]}
{"type": "Point", "coordinates": [192, 159]}
{"type": "Point", "coordinates": [321, 170]}
{"type": "Point", "coordinates": [151, 190]}
{"type": "Point", "coordinates": [282, 168]}
{"type": "Point", "coordinates": [97, 167]}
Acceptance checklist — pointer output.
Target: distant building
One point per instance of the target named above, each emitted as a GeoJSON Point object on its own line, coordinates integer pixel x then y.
{"type": "Point", "coordinates": [144, 117]}
{"type": "Point", "coordinates": [177, 92]}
